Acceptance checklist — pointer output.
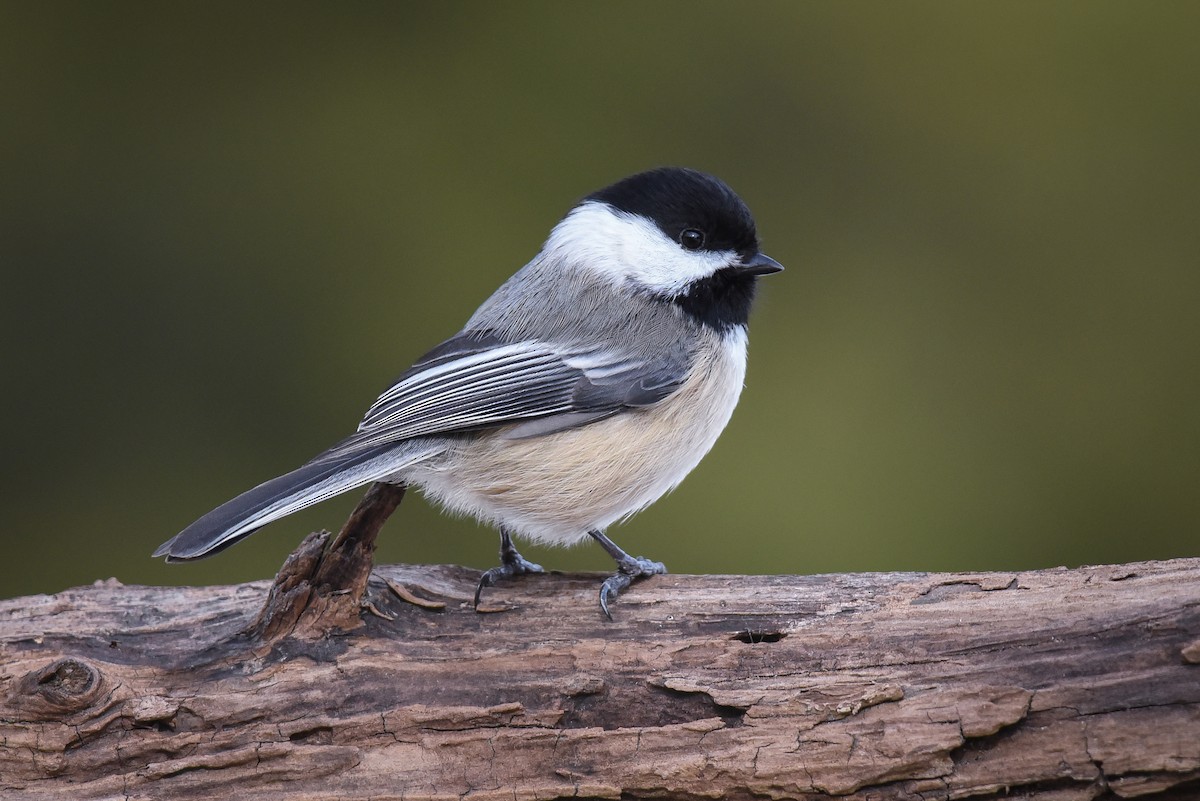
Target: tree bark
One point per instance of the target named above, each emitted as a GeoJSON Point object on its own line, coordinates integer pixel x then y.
{"type": "Point", "coordinates": [1055, 684]}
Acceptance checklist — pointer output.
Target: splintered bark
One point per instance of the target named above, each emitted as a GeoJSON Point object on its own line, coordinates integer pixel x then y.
{"type": "Point", "coordinates": [323, 584]}
{"type": "Point", "coordinates": [1056, 684]}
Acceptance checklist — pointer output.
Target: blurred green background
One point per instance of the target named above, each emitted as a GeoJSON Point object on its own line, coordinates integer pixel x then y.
{"type": "Point", "coordinates": [224, 228]}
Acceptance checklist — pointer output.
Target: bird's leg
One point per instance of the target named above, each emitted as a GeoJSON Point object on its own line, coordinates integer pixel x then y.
{"type": "Point", "coordinates": [511, 564]}
{"type": "Point", "coordinates": [629, 568]}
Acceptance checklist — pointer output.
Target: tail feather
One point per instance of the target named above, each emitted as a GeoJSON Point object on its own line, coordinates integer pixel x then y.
{"type": "Point", "coordinates": [316, 481]}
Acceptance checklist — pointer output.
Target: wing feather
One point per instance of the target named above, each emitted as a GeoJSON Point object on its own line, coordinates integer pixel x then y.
{"type": "Point", "coordinates": [474, 382]}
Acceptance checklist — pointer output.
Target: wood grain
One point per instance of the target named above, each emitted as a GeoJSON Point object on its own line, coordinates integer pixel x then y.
{"type": "Point", "coordinates": [1057, 684]}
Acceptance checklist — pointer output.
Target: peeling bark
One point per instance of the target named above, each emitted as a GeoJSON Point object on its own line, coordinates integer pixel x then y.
{"type": "Point", "coordinates": [1057, 684]}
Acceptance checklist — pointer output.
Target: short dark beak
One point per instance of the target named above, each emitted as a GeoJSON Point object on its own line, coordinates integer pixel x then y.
{"type": "Point", "coordinates": [760, 264]}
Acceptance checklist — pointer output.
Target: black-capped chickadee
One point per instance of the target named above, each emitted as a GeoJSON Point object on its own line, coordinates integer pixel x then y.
{"type": "Point", "coordinates": [579, 393]}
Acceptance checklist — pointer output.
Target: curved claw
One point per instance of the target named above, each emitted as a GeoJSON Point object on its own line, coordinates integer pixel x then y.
{"type": "Point", "coordinates": [611, 588]}
{"type": "Point", "coordinates": [517, 566]}
{"type": "Point", "coordinates": [628, 570]}
{"type": "Point", "coordinates": [486, 580]}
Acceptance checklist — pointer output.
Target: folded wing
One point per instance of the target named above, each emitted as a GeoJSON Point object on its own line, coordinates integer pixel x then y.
{"type": "Point", "coordinates": [474, 382]}
{"type": "Point", "coordinates": [469, 383]}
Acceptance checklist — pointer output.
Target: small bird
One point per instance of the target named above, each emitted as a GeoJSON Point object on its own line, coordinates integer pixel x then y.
{"type": "Point", "coordinates": [585, 388]}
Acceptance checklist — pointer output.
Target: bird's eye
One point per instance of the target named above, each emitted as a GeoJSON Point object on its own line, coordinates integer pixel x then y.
{"type": "Point", "coordinates": [691, 239]}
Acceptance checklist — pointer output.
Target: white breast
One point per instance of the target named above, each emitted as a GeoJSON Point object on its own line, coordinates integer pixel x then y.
{"type": "Point", "coordinates": [558, 487]}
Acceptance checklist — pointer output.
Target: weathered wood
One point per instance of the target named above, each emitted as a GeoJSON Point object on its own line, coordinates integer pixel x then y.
{"type": "Point", "coordinates": [323, 583]}
{"type": "Point", "coordinates": [1058, 684]}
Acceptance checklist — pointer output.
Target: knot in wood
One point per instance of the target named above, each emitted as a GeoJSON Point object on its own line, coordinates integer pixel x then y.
{"type": "Point", "coordinates": [66, 685]}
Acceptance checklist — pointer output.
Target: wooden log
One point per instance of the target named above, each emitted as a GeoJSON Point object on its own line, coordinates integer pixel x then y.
{"type": "Point", "coordinates": [1054, 684]}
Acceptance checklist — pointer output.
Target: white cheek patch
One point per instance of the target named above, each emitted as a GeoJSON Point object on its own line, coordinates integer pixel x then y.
{"type": "Point", "coordinates": [628, 248]}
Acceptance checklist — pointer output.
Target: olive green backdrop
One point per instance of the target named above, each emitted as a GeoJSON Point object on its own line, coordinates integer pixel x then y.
{"type": "Point", "coordinates": [225, 227]}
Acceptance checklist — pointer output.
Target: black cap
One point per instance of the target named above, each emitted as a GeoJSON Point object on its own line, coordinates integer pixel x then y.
{"type": "Point", "coordinates": [677, 199]}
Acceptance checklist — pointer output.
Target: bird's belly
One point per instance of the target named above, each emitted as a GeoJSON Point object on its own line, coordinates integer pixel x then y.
{"type": "Point", "coordinates": [555, 488]}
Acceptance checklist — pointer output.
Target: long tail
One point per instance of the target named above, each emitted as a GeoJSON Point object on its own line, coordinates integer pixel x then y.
{"type": "Point", "coordinates": [318, 480]}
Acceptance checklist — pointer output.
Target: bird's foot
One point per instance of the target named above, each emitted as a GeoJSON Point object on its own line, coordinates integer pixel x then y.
{"type": "Point", "coordinates": [629, 569]}
{"type": "Point", "coordinates": [511, 564]}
